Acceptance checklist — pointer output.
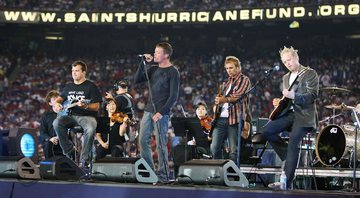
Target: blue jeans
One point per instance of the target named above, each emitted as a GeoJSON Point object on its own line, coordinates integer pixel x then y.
{"type": "Point", "coordinates": [147, 125]}
{"type": "Point", "coordinates": [222, 132]}
{"type": "Point", "coordinates": [63, 123]}
{"type": "Point", "coordinates": [286, 151]}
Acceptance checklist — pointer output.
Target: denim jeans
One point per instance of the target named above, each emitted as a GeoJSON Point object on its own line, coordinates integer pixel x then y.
{"type": "Point", "coordinates": [222, 132]}
{"type": "Point", "coordinates": [147, 125]}
{"type": "Point", "coordinates": [63, 123]}
{"type": "Point", "coordinates": [286, 151]}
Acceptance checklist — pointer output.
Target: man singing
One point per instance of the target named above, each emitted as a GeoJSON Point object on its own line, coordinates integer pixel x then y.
{"type": "Point", "coordinates": [164, 90]}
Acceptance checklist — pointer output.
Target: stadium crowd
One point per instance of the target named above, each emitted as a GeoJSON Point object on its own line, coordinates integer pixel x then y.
{"type": "Point", "coordinates": [151, 5]}
{"type": "Point", "coordinates": [22, 100]}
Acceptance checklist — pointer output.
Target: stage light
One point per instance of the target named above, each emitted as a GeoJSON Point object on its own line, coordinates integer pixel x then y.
{"type": "Point", "coordinates": [353, 36]}
{"type": "Point", "coordinates": [294, 24]}
{"type": "Point", "coordinates": [27, 145]}
{"type": "Point", "coordinates": [23, 142]}
{"type": "Point", "coordinates": [54, 38]}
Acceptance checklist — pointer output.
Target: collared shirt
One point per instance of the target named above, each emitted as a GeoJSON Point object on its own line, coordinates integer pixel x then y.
{"type": "Point", "coordinates": [241, 84]}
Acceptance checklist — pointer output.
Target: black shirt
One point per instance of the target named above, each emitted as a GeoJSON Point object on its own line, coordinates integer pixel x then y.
{"type": "Point", "coordinates": [124, 104]}
{"type": "Point", "coordinates": [86, 91]}
{"type": "Point", "coordinates": [164, 83]}
{"type": "Point", "coordinates": [46, 125]}
{"type": "Point", "coordinates": [114, 136]}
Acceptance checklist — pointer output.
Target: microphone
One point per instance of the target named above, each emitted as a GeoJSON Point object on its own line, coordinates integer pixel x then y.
{"type": "Point", "coordinates": [275, 68]}
{"type": "Point", "coordinates": [141, 55]}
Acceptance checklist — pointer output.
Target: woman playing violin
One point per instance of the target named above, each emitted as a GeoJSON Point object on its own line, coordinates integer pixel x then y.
{"type": "Point", "coordinates": [201, 140]}
{"type": "Point", "coordinates": [113, 143]}
{"type": "Point", "coordinates": [205, 119]}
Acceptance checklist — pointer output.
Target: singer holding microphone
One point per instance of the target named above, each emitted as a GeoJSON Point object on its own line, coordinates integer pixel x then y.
{"type": "Point", "coordinates": [163, 80]}
{"type": "Point", "coordinates": [230, 111]}
{"type": "Point", "coordinates": [298, 115]}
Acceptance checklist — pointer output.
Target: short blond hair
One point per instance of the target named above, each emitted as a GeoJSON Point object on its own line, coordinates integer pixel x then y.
{"type": "Point", "coordinates": [291, 50]}
{"type": "Point", "coordinates": [233, 60]}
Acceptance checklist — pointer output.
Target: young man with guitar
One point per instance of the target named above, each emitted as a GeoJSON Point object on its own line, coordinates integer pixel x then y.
{"type": "Point", "coordinates": [295, 112]}
{"type": "Point", "coordinates": [227, 118]}
{"type": "Point", "coordinates": [83, 113]}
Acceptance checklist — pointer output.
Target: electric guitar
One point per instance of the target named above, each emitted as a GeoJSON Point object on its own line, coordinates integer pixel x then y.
{"type": "Point", "coordinates": [284, 102]}
{"type": "Point", "coordinates": [68, 105]}
{"type": "Point", "coordinates": [217, 111]}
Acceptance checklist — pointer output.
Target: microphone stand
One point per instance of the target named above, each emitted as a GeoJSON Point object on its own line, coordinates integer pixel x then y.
{"type": "Point", "coordinates": [157, 122]}
{"type": "Point", "coordinates": [186, 133]}
{"type": "Point", "coordinates": [241, 122]}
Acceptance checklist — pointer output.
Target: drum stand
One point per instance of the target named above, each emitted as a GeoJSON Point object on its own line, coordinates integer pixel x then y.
{"type": "Point", "coordinates": [357, 125]}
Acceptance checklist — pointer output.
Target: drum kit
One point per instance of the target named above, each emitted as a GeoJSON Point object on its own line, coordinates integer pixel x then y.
{"type": "Point", "coordinates": [335, 143]}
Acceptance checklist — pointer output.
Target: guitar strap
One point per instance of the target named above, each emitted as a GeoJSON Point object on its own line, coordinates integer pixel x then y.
{"type": "Point", "coordinates": [299, 78]}
{"type": "Point", "coordinates": [296, 83]}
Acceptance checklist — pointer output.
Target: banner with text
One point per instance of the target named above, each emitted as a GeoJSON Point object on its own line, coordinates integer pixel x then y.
{"type": "Point", "coordinates": [182, 17]}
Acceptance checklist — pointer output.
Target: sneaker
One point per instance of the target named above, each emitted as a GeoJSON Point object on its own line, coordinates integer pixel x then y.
{"type": "Point", "coordinates": [85, 165]}
{"type": "Point", "coordinates": [275, 185]}
{"type": "Point", "coordinates": [162, 179]}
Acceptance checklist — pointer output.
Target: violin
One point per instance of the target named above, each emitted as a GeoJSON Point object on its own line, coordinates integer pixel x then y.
{"type": "Point", "coordinates": [121, 117]}
{"type": "Point", "coordinates": [206, 124]}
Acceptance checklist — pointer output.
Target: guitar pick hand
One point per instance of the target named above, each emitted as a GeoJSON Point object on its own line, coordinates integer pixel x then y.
{"type": "Point", "coordinates": [289, 94]}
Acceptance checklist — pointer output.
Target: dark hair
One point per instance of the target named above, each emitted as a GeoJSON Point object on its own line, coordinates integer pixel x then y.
{"type": "Point", "coordinates": [202, 104]}
{"type": "Point", "coordinates": [166, 47]}
{"type": "Point", "coordinates": [122, 83]}
{"type": "Point", "coordinates": [81, 63]}
{"type": "Point", "coordinates": [108, 100]}
{"type": "Point", "coordinates": [51, 94]}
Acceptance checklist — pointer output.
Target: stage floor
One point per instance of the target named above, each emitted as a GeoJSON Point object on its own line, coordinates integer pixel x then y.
{"type": "Point", "coordinates": [67, 189]}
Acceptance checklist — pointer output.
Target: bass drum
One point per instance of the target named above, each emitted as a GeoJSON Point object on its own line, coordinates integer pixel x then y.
{"type": "Point", "coordinates": [349, 130]}
{"type": "Point", "coordinates": [330, 145]}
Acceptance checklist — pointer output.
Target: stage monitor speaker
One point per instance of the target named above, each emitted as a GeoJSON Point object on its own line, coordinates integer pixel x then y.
{"type": "Point", "coordinates": [18, 167]}
{"type": "Point", "coordinates": [60, 168]}
{"type": "Point", "coordinates": [212, 172]}
{"type": "Point", "coordinates": [131, 170]}
{"type": "Point", "coordinates": [23, 142]}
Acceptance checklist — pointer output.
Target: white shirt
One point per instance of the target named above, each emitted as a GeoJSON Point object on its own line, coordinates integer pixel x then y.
{"type": "Point", "coordinates": [292, 78]}
{"type": "Point", "coordinates": [225, 108]}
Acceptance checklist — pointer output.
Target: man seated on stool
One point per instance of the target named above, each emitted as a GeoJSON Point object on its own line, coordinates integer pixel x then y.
{"type": "Point", "coordinates": [113, 142]}
{"type": "Point", "coordinates": [87, 98]}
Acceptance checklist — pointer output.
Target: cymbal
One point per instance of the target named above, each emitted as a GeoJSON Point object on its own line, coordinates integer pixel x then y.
{"type": "Point", "coordinates": [339, 107]}
{"type": "Point", "coordinates": [333, 106]}
{"type": "Point", "coordinates": [334, 89]}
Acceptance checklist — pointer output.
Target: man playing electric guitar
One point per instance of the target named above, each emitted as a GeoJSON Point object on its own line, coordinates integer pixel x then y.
{"type": "Point", "coordinates": [300, 88]}
{"type": "Point", "coordinates": [82, 113]}
{"type": "Point", "coordinates": [227, 123]}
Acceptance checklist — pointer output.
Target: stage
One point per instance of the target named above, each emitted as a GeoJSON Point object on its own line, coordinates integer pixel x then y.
{"type": "Point", "coordinates": [67, 189]}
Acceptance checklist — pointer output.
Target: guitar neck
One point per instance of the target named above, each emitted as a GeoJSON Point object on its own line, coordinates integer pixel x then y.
{"type": "Point", "coordinates": [300, 73]}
